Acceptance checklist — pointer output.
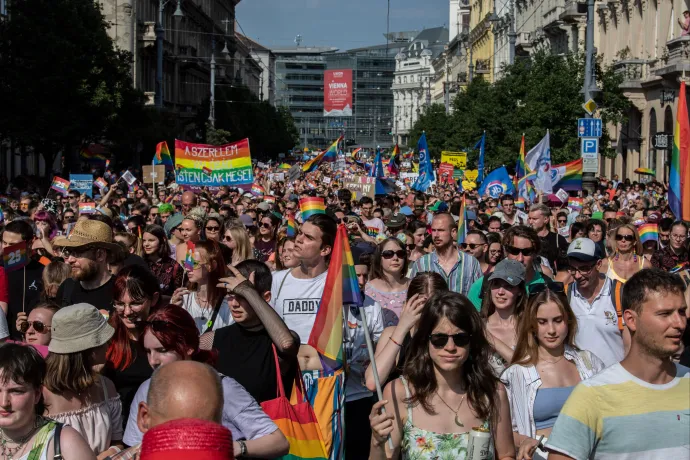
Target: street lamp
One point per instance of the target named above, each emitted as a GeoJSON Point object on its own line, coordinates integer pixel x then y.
{"type": "Point", "coordinates": [158, 98]}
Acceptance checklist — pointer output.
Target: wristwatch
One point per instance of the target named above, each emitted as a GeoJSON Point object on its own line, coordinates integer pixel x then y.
{"type": "Point", "coordinates": [243, 449]}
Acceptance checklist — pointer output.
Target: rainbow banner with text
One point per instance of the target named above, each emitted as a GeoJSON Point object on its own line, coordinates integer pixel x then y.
{"type": "Point", "coordinates": [229, 164]}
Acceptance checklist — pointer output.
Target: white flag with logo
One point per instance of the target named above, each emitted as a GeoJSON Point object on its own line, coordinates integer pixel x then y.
{"type": "Point", "coordinates": [129, 178]}
{"type": "Point", "coordinates": [539, 159]}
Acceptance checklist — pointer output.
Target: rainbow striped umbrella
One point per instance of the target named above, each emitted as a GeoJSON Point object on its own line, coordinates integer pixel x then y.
{"type": "Point", "coordinates": [645, 171]}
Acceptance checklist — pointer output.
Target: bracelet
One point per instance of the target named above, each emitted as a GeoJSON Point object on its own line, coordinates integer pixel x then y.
{"type": "Point", "coordinates": [243, 448]}
{"type": "Point", "coordinates": [393, 340]}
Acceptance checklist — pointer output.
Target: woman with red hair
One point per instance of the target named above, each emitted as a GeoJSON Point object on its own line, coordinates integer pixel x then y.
{"type": "Point", "coordinates": [202, 298]}
{"type": "Point", "coordinates": [47, 229]}
{"type": "Point", "coordinates": [170, 335]}
{"type": "Point", "coordinates": [136, 294]}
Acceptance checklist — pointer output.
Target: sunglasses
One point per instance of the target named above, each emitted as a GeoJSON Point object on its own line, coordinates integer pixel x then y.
{"type": "Point", "coordinates": [472, 246]}
{"type": "Point", "coordinates": [266, 225]}
{"type": "Point", "coordinates": [212, 229]}
{"type": "Point", "coordinates": [554, 286]}
{"type": "Point", "coordinates": [562, 221]}
{"type": "Point", "coordinates": [410, 247]}
{"type": "Point", "coordinates": [513, 251]}
{"type": "Point", "coordinates": [587, 215]}
{"type": "Point", "coordinates": [38, 327]}
{"type": "Point", "coordinates": [76, 253]}
{"type": "Point", "coordinates": [625, 237]}
{"type": "Point", "coordinates": [227, 238]}
{"type": "Point", "coordinates": [439, 341]}
{"type": "Point", "coordinates": [388, 254]}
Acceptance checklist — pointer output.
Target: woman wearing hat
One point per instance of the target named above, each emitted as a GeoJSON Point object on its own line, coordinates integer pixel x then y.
{"type": "Point", "coordinates": [504, 300]}
{"type": "Point", "coordinates": [74, 393]}
{"type": "Point", "coordinates": [24, 431]}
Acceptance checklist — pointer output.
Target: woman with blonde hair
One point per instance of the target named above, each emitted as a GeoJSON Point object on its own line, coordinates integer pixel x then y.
{"type": "Point", "coordinates": [546, 367]}
{"type": "Point", "coordinates": [627, 258]}
{"type": "Point", "coordinates": [53, 275]}
{"type": "Point", "coordinates": [236, 237]}
{"type": "Point", "coordinates": [190, 229]}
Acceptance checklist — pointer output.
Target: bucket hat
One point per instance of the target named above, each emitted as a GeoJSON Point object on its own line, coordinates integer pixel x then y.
{"type": "Point", "coordinates": [77, 328]}
{"type": "Point", "coordinates": [88, 233]}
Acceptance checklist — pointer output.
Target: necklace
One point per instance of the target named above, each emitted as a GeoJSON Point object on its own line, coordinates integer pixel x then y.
{"type": "Point", "coordinates": [10, 452]}
{"type": "Point", "coordinates": [553, 362]}
{"type": "Point", "coordinates": [458, 422]}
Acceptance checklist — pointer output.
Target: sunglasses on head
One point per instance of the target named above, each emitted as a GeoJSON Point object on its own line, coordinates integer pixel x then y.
{"type": "Point", "coordinates": [388, 254]}
{"type": "Point", "coordinates": [620, 237]}
{"type": "Point", "coordinates": [38, 327]}
{"type": "Point", "coordinates": [472, 246]}
{"type": "Point", "coordinates": [513, 251]}
{"type": "Point", "coordinates": [460, 339]}
{"type": "Point", "coordinates": [554, 286]}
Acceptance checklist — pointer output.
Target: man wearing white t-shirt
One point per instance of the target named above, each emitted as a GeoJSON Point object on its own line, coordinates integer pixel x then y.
{"type": "Point", "coordinates": [375, 226]}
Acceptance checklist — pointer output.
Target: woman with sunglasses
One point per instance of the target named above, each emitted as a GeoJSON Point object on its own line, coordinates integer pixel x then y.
{"type": "Point", "coordinates": [394, 343]}
{"type": "Point", "coordinates": [502, 305]}
{"type": "Point", "coordinates": [627, 257]}
{"type": "Point", "coordinates": [546, 368]}
{"type": "Point", "coordinates": [157, 254]}
{"type": "Point", "coordinates": [170, 335]}
{"type": "Point", "coordinates": [36, 327]}
{"type": "Point", "coordinates": [388, 281]}
{"type": "Point", "coordinates": [447, 388]}
{"type": "Point", "coordinates": [265, 243]}
{"type": "Point", "coordinates": [213, 226]}
{"type": "Point", "coordinates": [236, 238]}
{"type": "Point", "coordinates": [202, 298]}
{"type": "Point", "coordinates": [419, 233]}
{"type": "Point", "coordinates": [136, 293]}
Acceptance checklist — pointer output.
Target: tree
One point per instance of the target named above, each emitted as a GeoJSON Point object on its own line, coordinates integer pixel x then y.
{"type": "Point", "coordinates": [62, 83]}
{"type": "Point", "coordinates": [534, 94]}
{"type": "Point", "coordinates": [289, 123]}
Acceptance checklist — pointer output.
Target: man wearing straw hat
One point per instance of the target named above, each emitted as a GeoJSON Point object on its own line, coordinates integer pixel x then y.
{"type": "Point", "coordinates": [87, 250]}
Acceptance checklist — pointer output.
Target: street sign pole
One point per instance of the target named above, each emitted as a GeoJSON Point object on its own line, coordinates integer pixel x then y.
{"type": "Point", "coordinates": [588, 179]}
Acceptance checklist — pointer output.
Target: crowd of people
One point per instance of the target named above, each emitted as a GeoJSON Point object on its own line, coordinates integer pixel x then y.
{"type": "Point", "coordinates": [172, 321]}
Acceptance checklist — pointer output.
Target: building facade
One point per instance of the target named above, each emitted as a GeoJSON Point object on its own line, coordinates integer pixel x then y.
{"type": "Point", "coordinates": [451, 67]}
{"type": "Point", "coordinates": [481, 40]}
{"type": "Point", "coordinates": [265, 60]}
{"type": "Point", "coordinates": [415, 79]}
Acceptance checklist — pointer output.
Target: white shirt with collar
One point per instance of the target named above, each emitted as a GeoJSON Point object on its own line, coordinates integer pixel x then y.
{"type": "Point", "coordinates": [522, 383]}
{"type": "Point", "coordinates": [597, 325]}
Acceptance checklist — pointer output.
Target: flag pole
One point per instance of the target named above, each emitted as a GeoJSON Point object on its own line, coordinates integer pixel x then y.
{"type": "Point", "coordinates": [372, 359]}
{"type": "Point", "coordinates": [153, 176]}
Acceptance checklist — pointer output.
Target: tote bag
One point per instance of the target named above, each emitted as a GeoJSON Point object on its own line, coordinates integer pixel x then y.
{"type": "Point", "coordinates": [297, 422]}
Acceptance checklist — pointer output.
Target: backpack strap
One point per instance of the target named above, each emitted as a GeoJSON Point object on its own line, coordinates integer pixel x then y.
{"type": "Point", "coordinates": [616, 299]}
{"type": "Point", "coordinates": [56, 442]}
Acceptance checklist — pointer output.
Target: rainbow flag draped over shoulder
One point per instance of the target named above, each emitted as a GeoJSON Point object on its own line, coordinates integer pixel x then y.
{"type": "Point", "coordinates": [310, 206]}
{"type": "Point", "coordinates": [679, 182]}
{"type": "Point", "coordinates": [162, 156]}
{"type": "Point", "coordinates": [329, 155]}
{"type": "Point", "coordinates": [462, 226]}
{"type": "Point", "coordinates": [341, 289]}
{"type": "Point", "coordinates": [648, 232]}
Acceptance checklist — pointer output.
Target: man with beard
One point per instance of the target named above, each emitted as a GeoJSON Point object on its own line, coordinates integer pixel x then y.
{"type": "Point", "coordinates": [25, 285]}
{"type": "Point", "coordinates": [86, 250]}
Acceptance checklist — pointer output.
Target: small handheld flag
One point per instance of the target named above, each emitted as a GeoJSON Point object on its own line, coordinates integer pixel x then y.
{"type": "Point", "coordinates": [291, 227]}
{"type": "Point", "coordinates": [520, 203]}
{"type": "Point", "coordinates": [129, 178]}
{"type": "Point", "coordinates": [311, 206]}
{"type": "Point", "coordinates": [648, 232]}
{"type": "Point", "coordinates": [206, 170]}
{"type": "Point", "coordinates": [87, 208]}
{"type": "Point", "coordinates": [107, 164]}
{"type": "Point", "coordinates": [162, 156]}
{"type": "Point", "coordinates": [14, 257]}
{"type": "Point", "coordinates": [60, 185]}
{"type": "Point", "coordinates": [189, 258]}
{"type": "Point", "coordinates": [100, 183]}
{"type": "Point", "coordinates": [575, 204]}
{"type": "Point", "coordinates": [270, 199]}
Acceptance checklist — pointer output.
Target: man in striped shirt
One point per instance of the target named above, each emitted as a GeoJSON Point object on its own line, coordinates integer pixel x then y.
{"type": "Point", "coordinates": [459, 270]}
{"type": "Point", "coordinates": [638, 408]}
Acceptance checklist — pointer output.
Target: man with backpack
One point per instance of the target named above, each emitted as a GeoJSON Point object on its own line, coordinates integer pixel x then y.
{"type": "Point", "coordinates": [595, 300]}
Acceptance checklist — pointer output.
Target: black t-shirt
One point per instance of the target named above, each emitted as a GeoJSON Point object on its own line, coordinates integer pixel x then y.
{"type": "Point", "coordinates": [685, 356]}
{"type": "Point", "coordinates": [128, 381]}
{"type": "Point", "coordinates": [71, 292]}
{"type": "Point", "coordinates": [554, 247]}
{"type": "Point", "coordinates": [30, 295]}
{"type": "Point", "coordinates": [247, 356]}
{"type": "Point", "coordinates": [133, 259]}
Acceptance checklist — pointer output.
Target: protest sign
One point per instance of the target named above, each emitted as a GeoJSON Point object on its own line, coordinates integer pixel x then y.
{"type": "Point", "coordinates": [230, 164]}
{"type": "Point", "coordinates": [409, 175]}
{"type": "Point", "coordinates": [83, 183]}
{"type": "Point", "coordinates": [277, 177]}
{"type": "Point", "coordinates": [154, 174]}
{"type": "Point", "coordinates": [326, 180]}
{"type": "Point", "coordinates": [362, 186]}
{"type": "Point", "coordinates": [445, 172]}
{"type": "Point", "coordinates": [457, 159]}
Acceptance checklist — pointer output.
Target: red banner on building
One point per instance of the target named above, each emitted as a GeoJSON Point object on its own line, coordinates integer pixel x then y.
{"type": "Point", "coordinates": [337, 97]}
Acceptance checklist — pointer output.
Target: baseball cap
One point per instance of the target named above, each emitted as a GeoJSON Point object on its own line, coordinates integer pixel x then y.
{"type": "Point", "coordinates": [247, 220]}
{"type": "Point", "coordinates": [510, 271]}
{"type": "Point", "coordinates": [264, 206]}
{"type": "Point", "coordinates": [439, 206]}
{"type": "Point", "coordinates": [585, 250]}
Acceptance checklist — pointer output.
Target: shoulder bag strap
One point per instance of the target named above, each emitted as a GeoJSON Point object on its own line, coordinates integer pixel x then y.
{"type": "Point", "coordinates": [209, 325]}
{"type": "Point", "coordinates": [280, 288]}
{"type": "Point", "coordinates": [279, 377]}
{"type": "Point", "coordinates": [56, 442]}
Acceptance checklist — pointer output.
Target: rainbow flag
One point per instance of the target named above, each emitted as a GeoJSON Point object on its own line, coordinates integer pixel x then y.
{"type": "Point", "coordinates": [87, 208]}
{"type": "Point", "coordinates": [310, 206]}
{"type": "Point", "coordinates": [394, 161]}
{"type": "Point", "coordinates": [270, 199]}
{"type": "Point", "coordinates": [575, 204]}
{"type": "Point", "coordinates": [355, 153]}
{"type": "Point", "coordinates": [107, 164]}
{"type": "Point", "coordinates": [639, 222]}
{"type": "Point", "coordinates": [679, 267]}
{"type": "Point", "coordinates": [341, 289]}
{"type": "Point", "coordinates": [568, 175]}
{"type": "Point", "coordinates": [291, 227]}
{"type": "Point", "coordinates": [679, 182]}
{"type": "Point", "coordinates": [230, 164]}
{"type": "Point", "coordinates": [648, 232]}
{"type": "Point", "coordinates": [60, 185]}
{"type": "Point", "coordinates": [521, 169]}
{"type": "Point", "coordinates": [162, 156]}
{"type": "Point", "coordinates": [462, 226]}
{"type": "Point", "coordinates": [91, 156]}
{"type": "Point", "coordinates": [15, 257]}
{"type": "Point", "coordinates": [329, 155]}
{"type": "Point", "coordinates": [520, 203]}
{"type": "Point", "coordinates": [189, 258]}
{"type": "Point", "coordinates": [100, 183]}
{"type": "Point", "coordinates": [206, 170]}
{"type": "Point", "coordinates": [257, 189]}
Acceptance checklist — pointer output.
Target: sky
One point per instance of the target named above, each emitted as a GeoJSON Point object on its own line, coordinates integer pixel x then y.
{"type": "Point", "coordinates": [344, 24]}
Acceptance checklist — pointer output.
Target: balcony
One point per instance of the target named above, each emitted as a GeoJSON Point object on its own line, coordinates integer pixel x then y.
{"type": "Point", "coordinates": [482, 66]}
{"type": "Point", "coordinates": [573, 10]}
{"type": "Point", "coordinates": [677, 58]}
{"type": "Point", "coordinates": [634, 71]}
{"type": "Point", "coordinates": [148, 35]}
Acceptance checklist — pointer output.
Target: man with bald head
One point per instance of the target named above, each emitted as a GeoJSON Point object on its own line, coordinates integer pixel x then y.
{"type": "Point", "coordinates": [459, 269]}
{"type": "Point", "coordinates": [189, 201]}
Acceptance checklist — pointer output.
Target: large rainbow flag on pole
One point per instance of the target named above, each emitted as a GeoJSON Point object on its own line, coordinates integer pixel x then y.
{"type": "Point", "coordinates": [328, 155]}
{"type": "Point", "coordinates": [679, 182]}
{"type": "Point", "coordinates": [162, 156]}
{"type": "Point", "coordinates": [341, 289]}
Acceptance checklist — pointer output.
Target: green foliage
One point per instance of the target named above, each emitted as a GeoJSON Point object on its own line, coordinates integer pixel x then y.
{"type": "Point", "coordinates": [535, 94]}
{"type": "Point", "coordinates": [217, 136]}
{"type": "Point", "coordinates": [62, 83]}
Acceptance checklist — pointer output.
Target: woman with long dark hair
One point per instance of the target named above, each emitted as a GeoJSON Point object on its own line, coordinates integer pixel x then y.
{"type": "Point", "coordinates": [170, 335]}
{"type": "Point", "coordinates": [157, 255]}
{"type": "Point", "coordinates": [419, 234]}
{"type": "Point", "coordinates": [135, 294]}
{"type": "Point", "coordinates": [447, 388]}
{"type": "Point", "coordinates": [388, 281]}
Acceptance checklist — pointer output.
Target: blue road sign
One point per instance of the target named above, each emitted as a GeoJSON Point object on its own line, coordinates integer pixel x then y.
{"type": "Point", "coordinates": [589, 127]}
{"type": "Point", "coordinates": [589, 146]}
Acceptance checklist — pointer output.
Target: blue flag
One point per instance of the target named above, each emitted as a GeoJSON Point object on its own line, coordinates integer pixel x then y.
{"type": "Point", "coordinates": [426, 171]}
{"type": "Point", "coordinates": [497, 183]}
{"type": "Point", "coordinates": [377, 170]}
{"type": "Point", "coordinates": [481, 145]}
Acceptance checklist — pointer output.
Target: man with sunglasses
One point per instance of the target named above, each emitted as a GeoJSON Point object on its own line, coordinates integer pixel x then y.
{"type": "Point", "coordinates": [521, 243]}
{"type": "Point", "coordinates": [675, 252]}
{"type": "Point", "coordinates": [593, 299]}
{"type": "Point", "coordinates": [475, 244]}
